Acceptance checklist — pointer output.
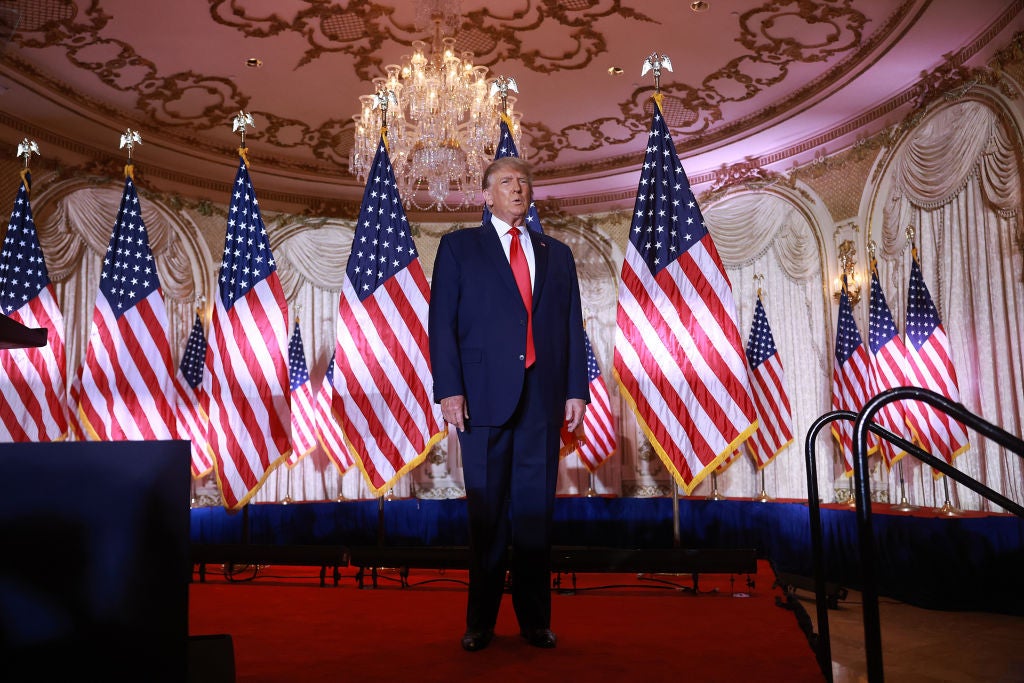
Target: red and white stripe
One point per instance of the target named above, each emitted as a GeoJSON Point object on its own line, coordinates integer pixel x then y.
{"type": "Point", "coordinates": [850, 391]}
{"type": "Point", "coordinates": [33, 404]}
{"type": "Point", "coordinates": [598, 428]}
{"type": "Point", "coordinates": [888, 371]}
{"type": "Point", "coordinates": [680, 362]}
{"type": "Point", "coordinates": [193, 425]}
{"type": "Point", "coordinates": [382, 377]}
{"type": "Point", "coordinates": [127, 384]}
{"type": "Point", "coordinates": [332, 439]}
{"type": "Point", "coordinates": [775, 430]}
{"type": "Point", "coordinates": [931, 367]}
{"type": "Point", "coordinates": [76, 430]}
{"type": "Point", "coordinates": [303, 423]}
{"type": "Point", "coordinates": [246, 386]}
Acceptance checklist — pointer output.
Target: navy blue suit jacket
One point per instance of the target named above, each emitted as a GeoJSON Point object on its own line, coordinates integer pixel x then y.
{"type": "Point", "coordinates": [478, 326]}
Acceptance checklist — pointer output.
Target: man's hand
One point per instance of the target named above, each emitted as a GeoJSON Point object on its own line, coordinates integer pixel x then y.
{"type": "Point", "coordinates": [455, 411]}
{"type": "Point", "coordinates": [575, 409]}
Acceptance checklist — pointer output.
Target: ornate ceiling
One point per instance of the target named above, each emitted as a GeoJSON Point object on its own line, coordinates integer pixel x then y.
{"type": "Point", "coordinates": [762, 83]}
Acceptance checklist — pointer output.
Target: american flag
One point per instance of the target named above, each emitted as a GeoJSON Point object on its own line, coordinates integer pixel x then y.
{"type": "Point", "coordinates": [128, 391]}
{"type": "Point", "coordinates": [930, 366]}
{"type": "Point", "coordinates": [382, 378]}
{"type": "Point", "coordinates": [678, 354]}
{"type": "Point", "coordinates": [332, 439]}
{"type": "Point", "coordinates": [303, 417]}
{"type": "Point", "coordinates": [850, 377]}
{"type": "Point", "coordinates": [76, 430]}
{"type": "Point", "coordinates": [246, 382]}
{"type": "Point", "coordinates": [598, 442]}
{"type": "Point", "coordinates": [192, 419]}
{"type": "Point", "coordinates": [32, 381]}
{"type": "Point", "coordinates": [888, 363]}
{"type": "Point", "coordinates": [598, 426]}
{"type": "Point", "coordinates": [768, 383]}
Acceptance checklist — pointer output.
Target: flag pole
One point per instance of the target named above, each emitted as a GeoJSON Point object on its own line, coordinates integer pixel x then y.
{"type": "Point", "coordinates": [198, 302]}
{"type": "Point", "coordinates": [26, 149]}
{"type": "Point", "coordinates": [655, 62]}
{"type": "Point", "coordinates": [500, 86]}
{"type": "Point", "coordinates": [947, 509]}
{"type": "Point", "coordinates": [715, 495]}
{"type": "Point", "coordinates": [763, 496]}
{"type": "Point", "coordinates": [288, 466]}
{"type": "Point", "coordinates": [904, 504]}
{"type": "Point", "coordinates": [675, 512]}
{"type": "Point", "coordinates": [129, 139]}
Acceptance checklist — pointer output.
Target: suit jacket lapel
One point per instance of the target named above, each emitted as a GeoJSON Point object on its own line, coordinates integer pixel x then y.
{"type": "Point", "coordinates": [496, 257]}
{"type": "Point", "coordinates": [540, 257]}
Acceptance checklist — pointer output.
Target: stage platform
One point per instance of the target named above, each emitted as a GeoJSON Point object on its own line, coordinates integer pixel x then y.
{"type": "Point", "coordinates": [970, 562]}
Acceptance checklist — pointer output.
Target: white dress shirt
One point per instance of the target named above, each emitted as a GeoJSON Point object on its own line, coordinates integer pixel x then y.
{"type": "Point", "coordinates": [525, 242]}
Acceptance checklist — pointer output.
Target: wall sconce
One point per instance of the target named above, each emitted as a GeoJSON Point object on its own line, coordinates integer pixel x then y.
{"type": "Point", "coordinates": [847, 260]}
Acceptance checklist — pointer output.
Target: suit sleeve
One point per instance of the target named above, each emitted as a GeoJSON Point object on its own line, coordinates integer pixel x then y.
{"type": "Point", "coordinates": [579, 385]}
{"type": "Point", "coordinates": [442, 324]}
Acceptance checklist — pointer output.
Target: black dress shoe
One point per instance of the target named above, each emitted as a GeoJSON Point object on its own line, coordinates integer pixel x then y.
{"type": "Point", "coordinates": [540, 637]}
{"type": "Point", "coordinates": [476, 640]}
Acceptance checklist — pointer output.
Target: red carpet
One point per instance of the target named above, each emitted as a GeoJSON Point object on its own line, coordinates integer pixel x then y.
{"type": "Point", "coordinates": [617, 627]}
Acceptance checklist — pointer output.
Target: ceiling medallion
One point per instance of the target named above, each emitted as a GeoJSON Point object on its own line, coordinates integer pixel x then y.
{"type": "Point", "coordinates": [440, 117]}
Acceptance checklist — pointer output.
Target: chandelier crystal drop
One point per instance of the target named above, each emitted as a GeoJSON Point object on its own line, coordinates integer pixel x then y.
{"type": "Point", "coordinates": [442, 122]}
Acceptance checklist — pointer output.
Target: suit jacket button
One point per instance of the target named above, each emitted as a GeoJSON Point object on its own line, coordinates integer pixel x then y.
{"type": "Point", "coordinates": [522, 357]}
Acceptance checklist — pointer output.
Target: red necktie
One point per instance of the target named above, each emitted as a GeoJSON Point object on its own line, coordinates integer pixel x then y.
{"type": "Point", "coordinates": [521, 271]}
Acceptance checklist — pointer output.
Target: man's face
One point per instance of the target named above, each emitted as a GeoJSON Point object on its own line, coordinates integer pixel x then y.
{"type": "Point", "coordinates": [508, 195]}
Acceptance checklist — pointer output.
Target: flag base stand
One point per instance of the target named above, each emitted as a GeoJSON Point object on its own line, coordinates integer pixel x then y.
{"type": "Point", "coordinates": [715, 495]}
{"type": "Point", "coordinates": [763, 497]}
{"type": "Point", "coordinates": [948, 509]}
{"type": "Point", "coordinates": [905, 506]}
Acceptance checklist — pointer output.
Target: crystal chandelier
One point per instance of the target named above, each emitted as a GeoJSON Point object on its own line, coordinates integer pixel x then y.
{"type": "Point", "coordinates": [441, 118]}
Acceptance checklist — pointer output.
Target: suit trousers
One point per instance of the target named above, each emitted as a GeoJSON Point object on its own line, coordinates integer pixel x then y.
{"type": "Point", "coordinates": [511, 473]}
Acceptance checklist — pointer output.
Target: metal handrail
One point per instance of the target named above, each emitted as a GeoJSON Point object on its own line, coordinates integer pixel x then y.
{"type": "Point", "coordinates": [869, 592]}
{"type": "Point", "coordinates": [863, 424]}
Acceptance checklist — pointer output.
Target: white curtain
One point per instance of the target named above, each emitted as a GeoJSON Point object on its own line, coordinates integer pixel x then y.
{"type": "Point", "coordinates": [957, 183]}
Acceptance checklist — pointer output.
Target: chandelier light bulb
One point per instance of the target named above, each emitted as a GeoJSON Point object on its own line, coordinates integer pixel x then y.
{"type": "Point", "coordinates": [443, 130]}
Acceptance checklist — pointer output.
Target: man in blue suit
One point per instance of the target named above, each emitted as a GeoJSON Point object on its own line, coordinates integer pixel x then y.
{"type": "Point", "coordinates": [509, 366]}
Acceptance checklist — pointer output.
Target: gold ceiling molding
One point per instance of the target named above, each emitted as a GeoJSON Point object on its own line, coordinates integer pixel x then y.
{"type": "Point", "coordinates": [361, 29]}
{"type": "Point", "coordinates": [189, 109]}
{"type": "Point", "coordinates": [746, 174]}
{"type": "Point", "coordinates": [699, 110]}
